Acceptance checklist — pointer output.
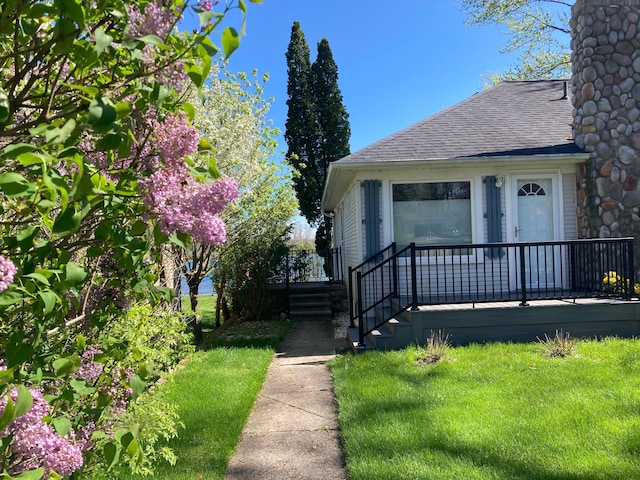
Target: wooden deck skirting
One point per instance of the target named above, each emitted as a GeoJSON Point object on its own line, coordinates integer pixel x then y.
{"type": "Point", "coordinates": [508, 321]}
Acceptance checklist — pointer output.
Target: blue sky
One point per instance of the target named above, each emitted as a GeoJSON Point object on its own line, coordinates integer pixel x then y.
{"type": "Point", "coordinates": [398, 62]}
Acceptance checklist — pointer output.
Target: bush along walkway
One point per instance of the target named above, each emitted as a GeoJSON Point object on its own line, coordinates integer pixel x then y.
{"type": "Point", "coordinates": [292, 432]}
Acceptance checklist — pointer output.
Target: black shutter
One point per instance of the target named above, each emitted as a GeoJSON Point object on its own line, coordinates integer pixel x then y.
{"type": "Point", "coordinates": [493, 216]}
{"type": "Point", "coordinates": [372, 216]}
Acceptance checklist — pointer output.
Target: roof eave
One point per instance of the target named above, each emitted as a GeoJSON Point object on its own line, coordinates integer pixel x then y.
{"type": "Point", "coordinates": [340, 175]}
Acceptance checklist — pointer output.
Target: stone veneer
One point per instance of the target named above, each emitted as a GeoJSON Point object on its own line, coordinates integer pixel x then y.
{"type": "Point", "coordinates": [606, 98]}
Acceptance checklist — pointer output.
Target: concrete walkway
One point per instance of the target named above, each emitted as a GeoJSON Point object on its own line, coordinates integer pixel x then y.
{"type": "Point", "coordinates": [292, 432]}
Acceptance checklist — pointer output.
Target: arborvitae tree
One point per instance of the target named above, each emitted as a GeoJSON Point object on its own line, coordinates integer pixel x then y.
{"type": "Point", "coordinates": [333, 125]}
{"type": "Point", "coordinates": [317, 128]}
{"type": "Point", "coordinates": [301, 132]}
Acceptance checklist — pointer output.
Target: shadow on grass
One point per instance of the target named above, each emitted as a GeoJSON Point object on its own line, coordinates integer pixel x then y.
{"type": "Point", "coordinates": [259, 334]}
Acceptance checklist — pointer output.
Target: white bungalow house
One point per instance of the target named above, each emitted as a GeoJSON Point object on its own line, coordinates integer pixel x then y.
{"type": "Point", "coordinates": [526, 190]}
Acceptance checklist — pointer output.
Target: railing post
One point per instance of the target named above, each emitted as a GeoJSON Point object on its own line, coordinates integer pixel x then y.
{"type": "Point", "coordinates": [286, 281]}
{"type": "Point", "coordinates": [351, 299]}
{"type": "Point", "coordinates": [360, 317]}
{"type": "Point", "coordinates": [394, 266]}
{"type": "Point", "coordinates": [632, 274]}
{"type": "Point", "coordinates": [414, 279]}
{"type": "Point", "coordinates": [523, 278]}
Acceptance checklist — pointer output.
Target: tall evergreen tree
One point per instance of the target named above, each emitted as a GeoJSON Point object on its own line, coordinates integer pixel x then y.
{"type": "Point", "coordinates": [333, 126]}
{"type": "Point", "coordinates": [317, 129]}
{"type": "Point", "coordinates": [301, 127]}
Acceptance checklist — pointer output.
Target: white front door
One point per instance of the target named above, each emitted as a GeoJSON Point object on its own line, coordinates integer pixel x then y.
{"type": "Point", "coordinates": [535, 221]}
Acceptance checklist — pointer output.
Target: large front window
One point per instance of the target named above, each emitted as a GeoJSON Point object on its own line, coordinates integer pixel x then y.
{"type": "Point", "coordinates": [432, 213]}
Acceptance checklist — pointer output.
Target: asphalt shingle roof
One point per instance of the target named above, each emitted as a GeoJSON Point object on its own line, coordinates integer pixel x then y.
{"type": "Point", "coordinates": [511, 118]}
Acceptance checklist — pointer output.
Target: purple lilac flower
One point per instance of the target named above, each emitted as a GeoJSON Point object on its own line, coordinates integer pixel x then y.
{"type": "Point", "coordinates": [7, 271]}
{"type": "Point", "coordinates": [156, 20]}
{"type": "Point", "coordinates": [35, 444]}
{"type": "Point", "coordinates": [89, 370]}
{"type": "Point", "coordinates": [175, 139]}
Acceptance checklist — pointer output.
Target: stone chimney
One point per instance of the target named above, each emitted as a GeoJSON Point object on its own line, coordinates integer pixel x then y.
{"type": "Point", "coordinates": [605, 44]}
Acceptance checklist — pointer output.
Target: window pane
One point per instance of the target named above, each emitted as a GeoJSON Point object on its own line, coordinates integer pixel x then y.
{"type": "Point", "coordinates": [432, 213]}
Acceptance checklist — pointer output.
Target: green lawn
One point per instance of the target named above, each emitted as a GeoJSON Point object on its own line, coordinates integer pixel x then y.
{"type": "Point", "coordinates": [214, 395]}
{"type": "Point", "coordinates": [498, 411]}
{"type": "Point", "coordinates": [206, 310]}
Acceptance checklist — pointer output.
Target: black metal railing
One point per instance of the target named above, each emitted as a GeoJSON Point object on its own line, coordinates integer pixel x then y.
{"type": "Point", "coordinates": [491, 272]}
{"type": "Point", "coordinates": [306, 265]}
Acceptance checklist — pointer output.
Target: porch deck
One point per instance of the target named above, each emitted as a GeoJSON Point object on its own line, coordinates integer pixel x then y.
{"type": "Point", "coordinates": [504, 321]}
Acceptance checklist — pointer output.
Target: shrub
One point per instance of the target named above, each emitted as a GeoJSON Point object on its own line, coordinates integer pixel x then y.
{"type": "Point", "coordinates": [154, 340]}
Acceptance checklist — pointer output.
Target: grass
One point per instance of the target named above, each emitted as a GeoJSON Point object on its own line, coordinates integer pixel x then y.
{"type": "Point", "coordinates": [214, 395]}
{"type": "Point", "coordinates": [206, 310]}
{"type": "Point", "coordinates": [495, 411]}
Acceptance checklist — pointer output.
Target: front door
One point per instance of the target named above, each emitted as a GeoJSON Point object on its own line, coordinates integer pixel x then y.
{"type": "Point", "coordinates": [535, 222]}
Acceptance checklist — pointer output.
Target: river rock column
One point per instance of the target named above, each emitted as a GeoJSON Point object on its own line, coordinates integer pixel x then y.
{"type": "Point", "coordinates": [605, 58]}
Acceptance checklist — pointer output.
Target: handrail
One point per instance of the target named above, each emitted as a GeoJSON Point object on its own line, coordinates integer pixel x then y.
{"type": "Point", "coordinates": [463, 273]}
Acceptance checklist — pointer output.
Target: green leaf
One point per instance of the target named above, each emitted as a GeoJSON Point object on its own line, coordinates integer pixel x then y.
{"type": "Point", "coordinates": [26, 237]}
{"type": "Point", "coordinates": [194, 72]}
{"type": "Point", "coordinates": [18, 352]}
{"type": "Point", "coordinates": [213, 169]}
{"type": "Point", "coordinates": [38, 277]}
{"type": "Point", "coordinates": [88, 89]}
{"type": "Point", "coordinates": [242, 6]}
{"type": "Point", "coordinates": [204, 145]}
{"type": "Point", "coordinates": [13, 184]}
{"type": "Point", "coordinates": [6, 376]}
{"type": "Point", "coordinates": [137, 385]}
{"type": "Point", "coordinates": [111, 453]}
{"type": "Point", "coordinates": [9, 297]}
{"type": "Point", "coordinates": [132, 448]}
{"type": "Point", "coordinates": [152, 40]}
{"type": "Point", "coordinates": [8, 415]}
{"type": "Point", "coordinates": [69, 220]}
{"type": "Point", "coordinates": [49, 298]}
{"type": "Point", "coordinates": [62, 366]}
{"type": "Point", "coordinates": [24, 402]}
{"type": "Point", "coordinates": [12, 151]}
{"type": "Point", "coordinates": [62, 425]}
{"type": "Point", "coordinates": [73, 10]}
{"type": "Point", "coordinates": [81, 342]}
{"type": "Point", "coordinates": [74, 273]}
{"type": "Point", "coordinates": [207, 48]}
{"type": "Point", "coordinates": [189, 109]}
{"type": "Point", "coordinates": [5, 108]}
{"type": "Point", "coordinates": [207, 16]}
{"type": "Point", "coordinates": [103, 41]}
{"type": "Point", "coordinates": [230, 41]}
{"type": "Point", "coordinates": [123, 109]}
{"type": "Point", "coordinates": [36, 474]}
{"type": "Point", "coordinates": [80, 387]}
{"type": "Point", "coordinates": [102, 113]}
{"type": "Point", "coordinates": [256, 1]}
{"type": "Point", "coordinates": [109, 142]}
{"type": "Point", "coordinates": [31, 158]}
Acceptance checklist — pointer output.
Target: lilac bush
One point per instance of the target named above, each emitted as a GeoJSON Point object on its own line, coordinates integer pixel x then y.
{"type": "Point", "coordinates": [95, 177]}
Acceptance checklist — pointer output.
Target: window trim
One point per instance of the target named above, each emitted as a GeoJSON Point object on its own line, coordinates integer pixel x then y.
{"type": "Point", "coordinates": [475, 197]}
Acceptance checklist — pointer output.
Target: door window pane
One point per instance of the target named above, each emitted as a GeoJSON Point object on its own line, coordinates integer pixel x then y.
{"type": "Point", "coordinates": [432, 213]}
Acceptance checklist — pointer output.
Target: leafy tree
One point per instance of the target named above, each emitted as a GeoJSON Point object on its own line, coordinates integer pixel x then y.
{"type": "Point", "coordinates": [95, 175]}
{"type": "Point", "coordinates": [232, 115]}
{"type": "Point", "coordinates": [317, 128]}
{"type": "Point", "coordinates": [538, 29]}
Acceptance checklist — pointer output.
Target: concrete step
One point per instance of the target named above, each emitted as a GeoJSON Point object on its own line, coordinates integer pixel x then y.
{"type": "Point", "coordinates": [310, 306]}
